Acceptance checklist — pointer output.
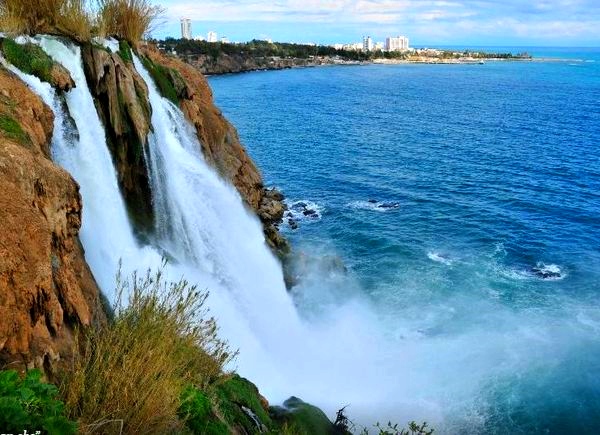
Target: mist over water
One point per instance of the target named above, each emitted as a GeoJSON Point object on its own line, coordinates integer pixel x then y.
{"type": "Point", "coordinates": [481, 290]}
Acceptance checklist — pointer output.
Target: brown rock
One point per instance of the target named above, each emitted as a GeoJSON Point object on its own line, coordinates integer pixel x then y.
{"type": "Point", "coordinates": [61, 78]}
{"type": "Point", "coordinates": [46, 288]}
{"type": "Point", "coordinates": [121, 97]}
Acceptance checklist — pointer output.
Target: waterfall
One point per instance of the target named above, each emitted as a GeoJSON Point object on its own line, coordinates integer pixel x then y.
{"type": "Point", "coordinates": [215, 242]}
{"type": "Point", "coordinates": [201, 222]}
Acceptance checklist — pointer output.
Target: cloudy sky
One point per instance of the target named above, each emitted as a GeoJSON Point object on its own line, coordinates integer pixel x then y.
{"type": "Point", "coordinates": [426, 22]}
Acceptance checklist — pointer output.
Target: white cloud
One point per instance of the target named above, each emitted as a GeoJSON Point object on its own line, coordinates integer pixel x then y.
{"type": "Point", "coordinates": [536, 18]}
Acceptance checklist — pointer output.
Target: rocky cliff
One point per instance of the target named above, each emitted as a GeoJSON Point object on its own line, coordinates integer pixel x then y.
{"type": "Point", "coordinates": [46, 288]}
{"type": "Point", "coordinates": [47, 291]}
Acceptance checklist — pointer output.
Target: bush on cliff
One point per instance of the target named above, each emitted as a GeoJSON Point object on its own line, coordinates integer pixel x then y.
{"type": "Point", "coordinates": [30, 404]}
{"type": "Point", "coordinates": [132, 373]}
{"type": "Point", "coordinates": [128, 19]}
{"type": "Point", "coordinates": [70, 18]}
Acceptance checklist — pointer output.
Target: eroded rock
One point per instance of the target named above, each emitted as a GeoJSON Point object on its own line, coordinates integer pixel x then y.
{"type": "Point", "coordinates": [46, 288]}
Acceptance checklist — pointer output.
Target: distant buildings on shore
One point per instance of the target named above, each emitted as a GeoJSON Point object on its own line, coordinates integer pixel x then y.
{"type": "Point", "coordinates": [186, 33]}
{"type": "Point", "coordinates": [186, 28]}
{"type": "Point", "coordinates": [398, 43]}
{"type": "Point", "coordinates": [392, 43]}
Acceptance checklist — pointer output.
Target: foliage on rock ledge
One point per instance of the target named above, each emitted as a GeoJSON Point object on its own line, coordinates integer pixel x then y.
{"type": "Point", "coordinates": [28, 403]}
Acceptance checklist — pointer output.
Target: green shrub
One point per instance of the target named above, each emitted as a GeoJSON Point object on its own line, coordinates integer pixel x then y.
{"type": "Point", "coordinates": [131, 373]}
{"type": "Point", "coordinates": [395, 429]}
{"type": "Point", "coordinates": [28, 403]}
{"type": "Point", "coordinates": [125, 51]}
{"type": "Point", "coordinates": [29, 58]}
{"type": "Point", "coordinates": [162, 77]}
{"type": "Point", "coordinates": [197, 412]}
{"type": "Point", "coordinates": [303, 418]}
{"type": "Point", "coordinates": [234, 393]}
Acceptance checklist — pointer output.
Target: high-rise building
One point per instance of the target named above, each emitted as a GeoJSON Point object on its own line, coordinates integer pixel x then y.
{"type": "Point", "coordinates": [398, 43]}
{"type": "Point", "coordinates": [367, 43]}
{"type": "Point", "coordinates": [211, 36]}
{"type": "Point", "coordinates": [186, 28]}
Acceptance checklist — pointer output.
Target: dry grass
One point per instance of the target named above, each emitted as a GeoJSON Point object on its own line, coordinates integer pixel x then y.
{"type": "Point", "coordinates": [128, 19]}
{"type": "Point", "coordinates": [64, 17]}
{"type": "Point", "coordinates": [131, 374]}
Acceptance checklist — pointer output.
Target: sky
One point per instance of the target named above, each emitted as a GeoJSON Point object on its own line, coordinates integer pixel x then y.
{"type": "Point", "coordinates": [425, 22]}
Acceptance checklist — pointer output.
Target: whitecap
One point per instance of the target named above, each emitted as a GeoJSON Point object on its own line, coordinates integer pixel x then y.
{"type": "Point", "coordinates": [541, 271]}
{"type": "Point", "coordinates": [548, 272]}
{"type": "Point", "coordinates": [380, 206]}
{"type": "Point", "coordinates": [440, 258]}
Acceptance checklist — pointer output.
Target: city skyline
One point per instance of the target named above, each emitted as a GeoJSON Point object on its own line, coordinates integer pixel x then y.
{"type": "Point", "coordinates": [467, 22]}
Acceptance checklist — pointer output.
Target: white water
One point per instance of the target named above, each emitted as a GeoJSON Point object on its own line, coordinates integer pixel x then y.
{"type": "Point", "coordinates": [336, 354]}
{"type": "Point", "coordinates": [215, 242]}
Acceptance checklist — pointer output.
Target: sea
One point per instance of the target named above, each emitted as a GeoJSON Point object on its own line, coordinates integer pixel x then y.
{"type": "Point", "coordinates": [461, 205]}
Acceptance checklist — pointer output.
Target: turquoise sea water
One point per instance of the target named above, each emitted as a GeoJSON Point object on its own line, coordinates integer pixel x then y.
{"type": "Point", "coordinates": [465, 202]}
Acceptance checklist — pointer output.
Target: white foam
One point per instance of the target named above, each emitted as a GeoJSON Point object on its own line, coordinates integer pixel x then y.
{"type": "Point", "coordinates": [379, 206]}
{"type": "Point", "coordinates": [440, 258]}
{"type": "Point", "coordinates": [110, 43]}
{"type": "Point", "coordinates": [296, 211]}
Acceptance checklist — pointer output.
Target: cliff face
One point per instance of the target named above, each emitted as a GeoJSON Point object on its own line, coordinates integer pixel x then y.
{"type": "Point", "coordinates": [236, 63]}
{"type": "Point", "coordinates": [46, 287]}
{"type": "Point", "coordinates": [220, 143]}
{"type": "Point", "coordinates": [121, 98]}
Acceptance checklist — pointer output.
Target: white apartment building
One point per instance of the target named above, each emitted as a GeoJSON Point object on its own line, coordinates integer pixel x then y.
{"type": "Point", "coordinates": [398, 43]}
{"type": "Point", "coordinates": [186, 28]}
{"type": "Point", "coordinates": [367, 43]}
{"type": "Point", "coordinates": [211, 36]}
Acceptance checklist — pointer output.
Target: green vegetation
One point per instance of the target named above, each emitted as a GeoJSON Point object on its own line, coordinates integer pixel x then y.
{"type": "Point", "coordinates": [125, 51]}
{"type": "Point", "coordinates": [13, 129]}
{"type": "Point", "coordinates": [28, 403]}
{"type": "Point", "coordinates": [29, 58]}
{"type": "Point", "coordinates": [257, 49]}
{"type": "Point", "coordinates": [132, 373]}
{"type": "Point", "coordinates": [302, 418]}
{"type": "Point", "coordinates": [165, 79]}
{"type": "Point", "coordinates": [395, 429]}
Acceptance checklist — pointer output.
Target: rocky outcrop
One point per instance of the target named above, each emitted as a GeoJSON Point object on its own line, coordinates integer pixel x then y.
{"type": "Point", "coordinates": [121, 98]}
{"type": "Point", "coordinates": [220, 143]}
{"type": "Point", "coordinates": [47, 291]}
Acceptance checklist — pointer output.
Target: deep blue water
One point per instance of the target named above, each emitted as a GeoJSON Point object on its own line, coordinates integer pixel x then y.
{"type": "Point", "coordinates": [495, 172]}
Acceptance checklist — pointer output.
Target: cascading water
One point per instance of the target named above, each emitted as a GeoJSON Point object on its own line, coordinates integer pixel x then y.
{"type": "Point", "coordinates": [340, 356]}
{"type": "Point", "coordinates": [217, 243]}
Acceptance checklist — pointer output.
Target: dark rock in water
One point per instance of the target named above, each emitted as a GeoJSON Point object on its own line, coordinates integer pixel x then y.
{"type": "Point", "coordinates": [300, 205]}
{"type": "Point", "coordinates": [309, 212]}
{"type": "Point", "coordinates": [293, 224]}
{"type": "Point", "coordinates": [545, 273]}
{"type": "Point", "coordinates": [389, 205]}
{"type": "Point", "coordinates": [373, 201]}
